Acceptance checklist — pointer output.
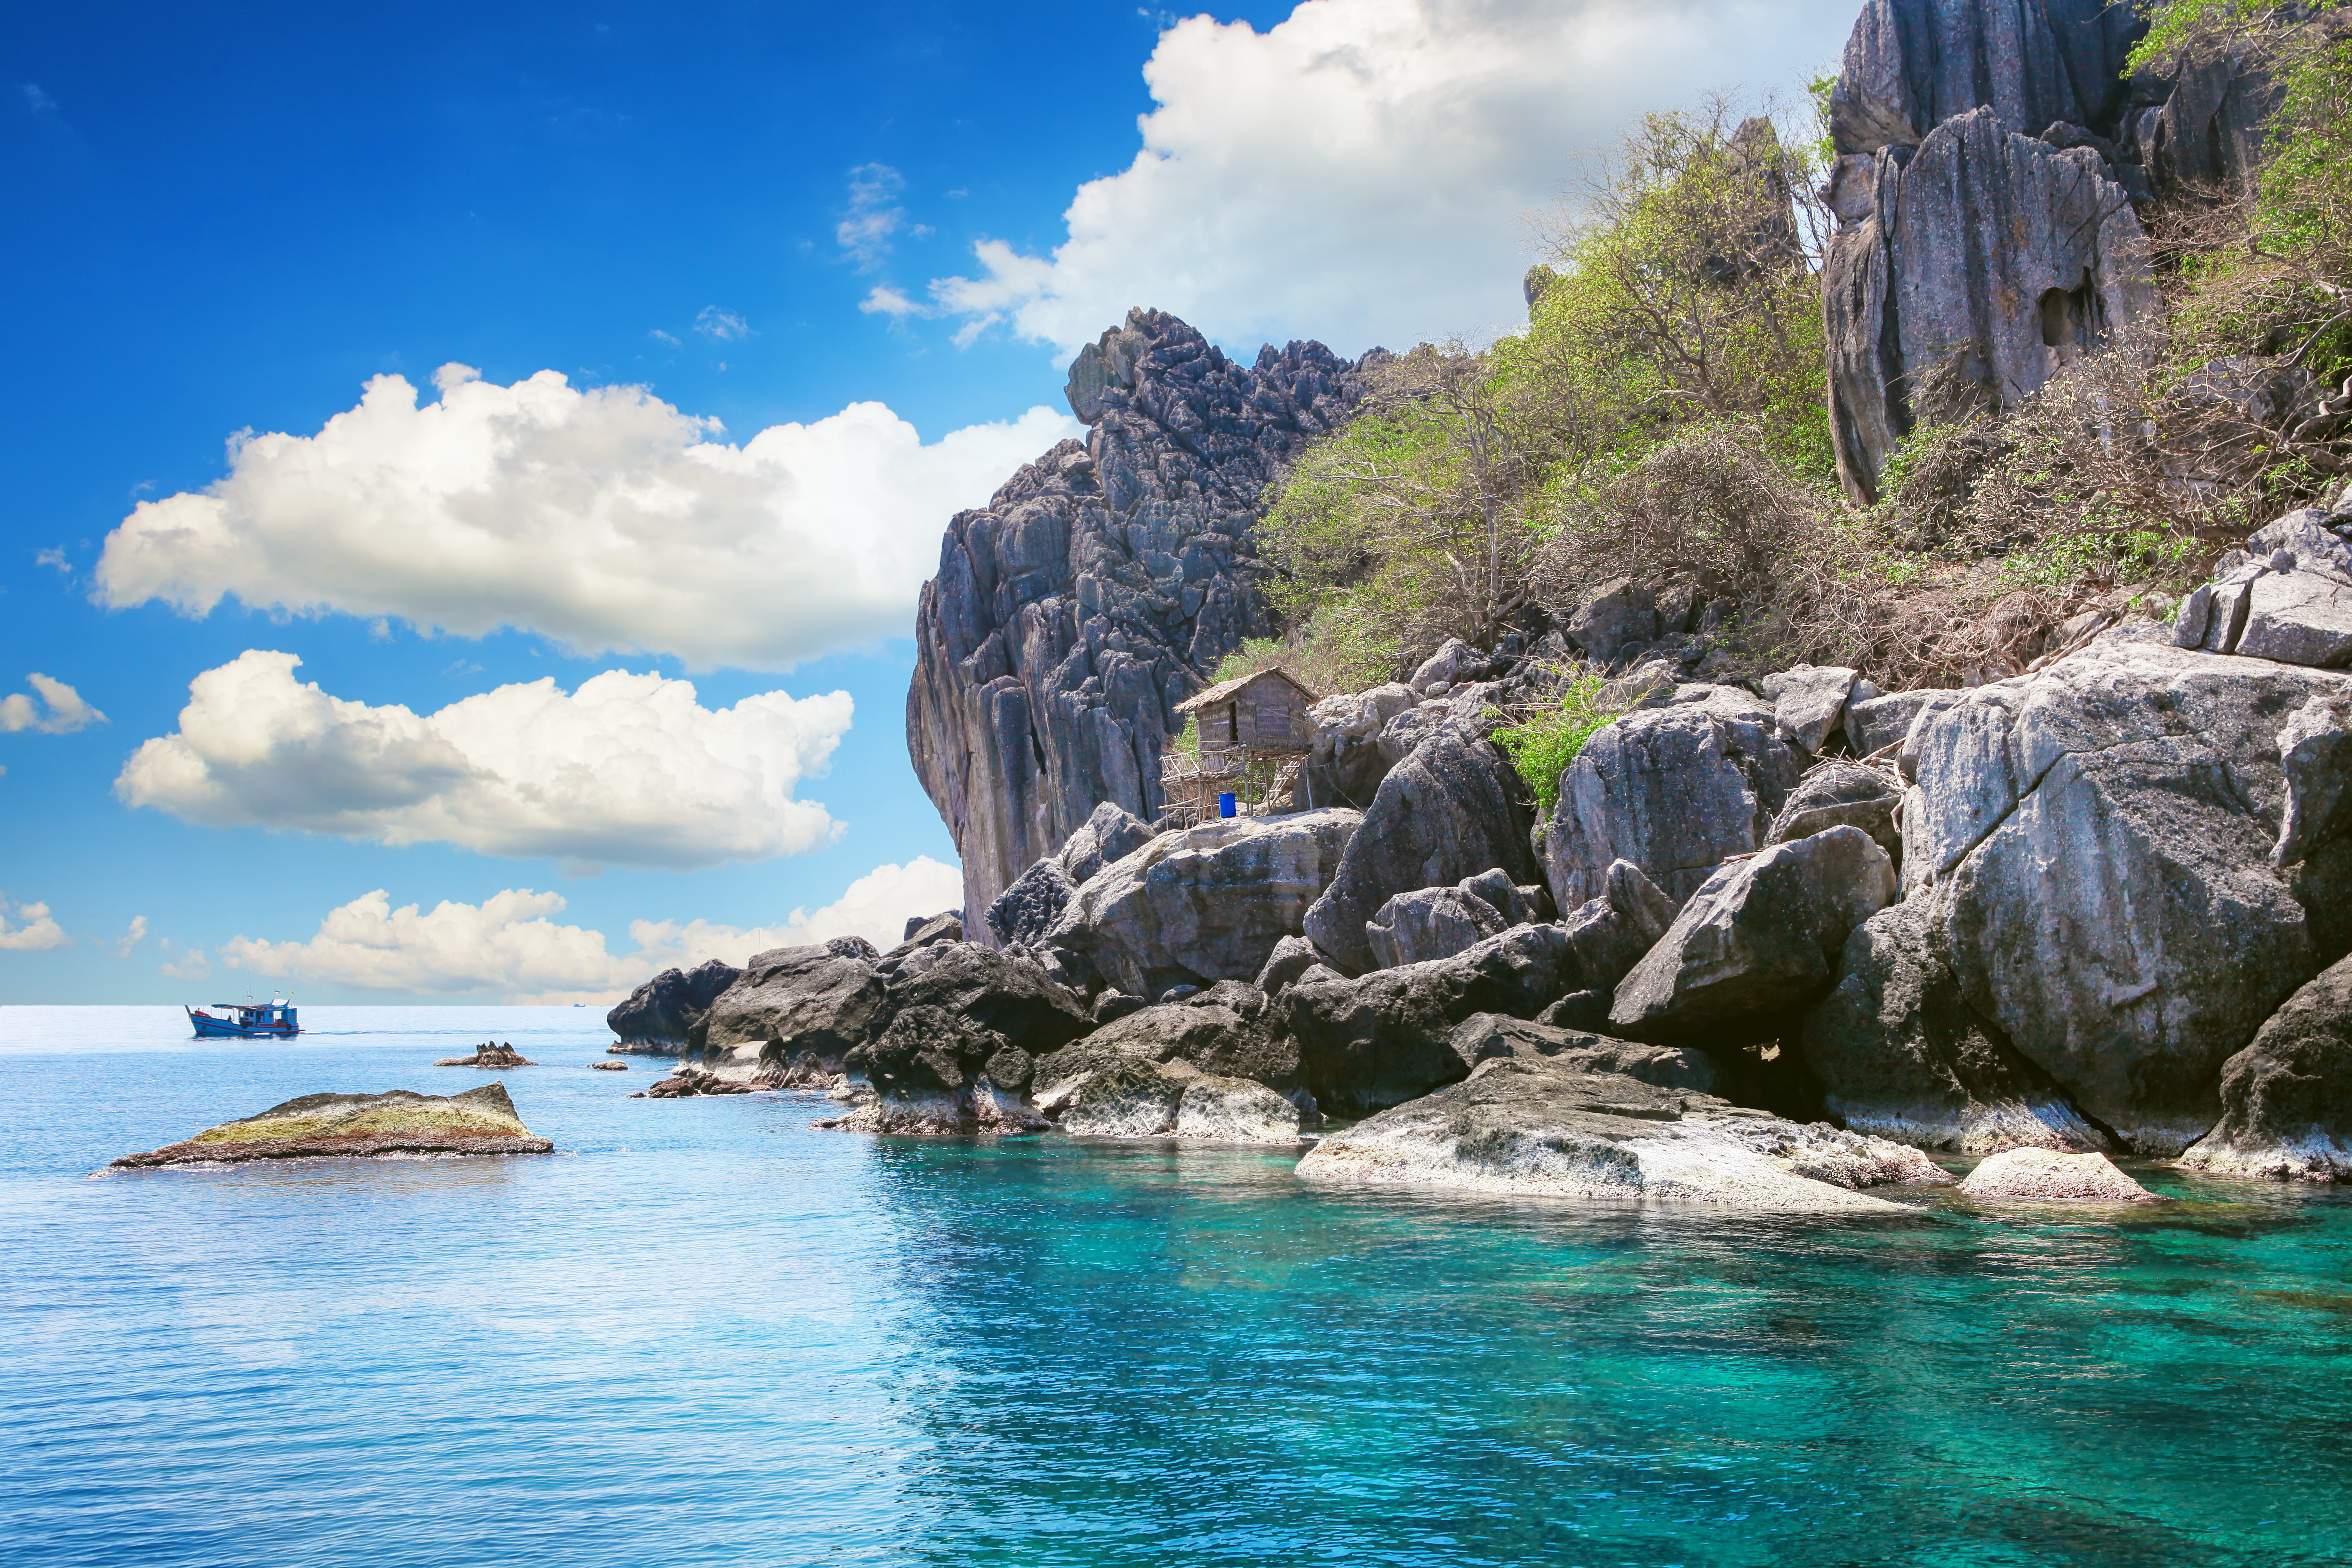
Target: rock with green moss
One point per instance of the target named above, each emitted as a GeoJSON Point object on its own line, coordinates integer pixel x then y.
{"type": "Point", "coordinates": [316, 1126]}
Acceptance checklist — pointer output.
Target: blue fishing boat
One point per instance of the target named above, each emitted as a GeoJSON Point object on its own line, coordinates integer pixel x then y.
{"type": "Point", "coordinates": [271, 1020]}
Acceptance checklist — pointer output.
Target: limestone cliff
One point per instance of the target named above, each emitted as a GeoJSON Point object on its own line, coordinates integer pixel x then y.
{"type": "Point", "coordinates": [1100, 585]}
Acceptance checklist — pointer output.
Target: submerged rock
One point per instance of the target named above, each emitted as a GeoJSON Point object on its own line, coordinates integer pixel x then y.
{"type": "Point", "coordinates": [2052, 1175]}
{"type": "Point", "coordinates": [1545, 1128]}
{"type": "Point", "coordinates": [314, 1126]}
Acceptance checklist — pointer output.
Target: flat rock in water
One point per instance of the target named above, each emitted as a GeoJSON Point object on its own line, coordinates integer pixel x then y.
{"type": "Point", "coordinates": [2052, 1176]}
{"type": "Point", "coordinates": [323, 1126]}
{"type": "Point", "coordinates": [1545, 1129]}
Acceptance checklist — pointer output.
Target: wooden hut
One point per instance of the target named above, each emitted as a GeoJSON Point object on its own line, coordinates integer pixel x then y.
{"type": "Point", "coordinates": [1255, 735]}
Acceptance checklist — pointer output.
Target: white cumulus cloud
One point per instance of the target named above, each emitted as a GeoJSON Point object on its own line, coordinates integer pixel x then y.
{"type": "Point", "coordinates": [132, 937]}
{"type": "Point", "coordinates": [508, 946]}
{"type": "Point", "coordinates": [27, 928]}
{"type": "Point", "coordinates": [1361, 172]}
{"type": "Point", "coordinates": [57, 709]}
{"type": "Point", "coordinates": [604, 519]}
{"type": "Point", "coordinates": [629, 770]}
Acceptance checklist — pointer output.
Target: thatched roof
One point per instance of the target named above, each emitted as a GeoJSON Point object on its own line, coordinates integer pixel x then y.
{"type": "Point", "coordinates": [1225, 691]}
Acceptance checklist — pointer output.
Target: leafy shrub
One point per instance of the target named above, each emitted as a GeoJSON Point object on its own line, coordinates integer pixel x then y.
{"type": "Point", "coordinates": [1542, 745]}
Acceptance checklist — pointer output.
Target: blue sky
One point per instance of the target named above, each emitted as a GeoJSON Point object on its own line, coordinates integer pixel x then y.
{"type": "Point", "coordinates": [758, 215]}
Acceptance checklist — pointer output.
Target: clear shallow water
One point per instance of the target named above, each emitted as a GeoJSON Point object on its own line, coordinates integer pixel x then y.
{"type": "Point", "coordinates": [707, 1333]}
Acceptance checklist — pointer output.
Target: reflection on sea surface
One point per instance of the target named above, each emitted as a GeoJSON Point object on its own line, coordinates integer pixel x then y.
{"type": "Point", "coordinates": [708, 1333]}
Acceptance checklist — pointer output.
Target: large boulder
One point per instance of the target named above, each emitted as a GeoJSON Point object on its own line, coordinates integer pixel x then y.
{"type": "Point", "coordinates": [1029, 909]}
{"type": "Point", "coordinates": [1620, 615]}
{"type": "Point", "coordinates": [823, 998]}
{"type": "Point", "coordinates": [1986, 261]}
{"type": "Point", "coordinates": [1672, 789]}
{"type": "Point", "coordinates": [661, 1014]}
{"type": "Point", "coordinates": [1898, 1052]}
{"type": "Point", "coordinates": [1430, 922]}
{"type": "Point", "coordinates": [2052, 1177]}
{"type": "Point", "coordinates": [1760, 938]}
{"type": "Point", "coordinates": [2093, 845]}
{"type": "Point", "coordinates": [1610, 933]}
{"type": "Point", "coordinates": [2286, 1098]}
{"type": "Point", "coordinates": [1875, 723]}
{"type": "Point", "coordinates": [1229, 1030]}
{"type": "Point", "coordinates": [1371, 1042]}
{"type": "Point", "coordinates": [1482, 1036]}
{"type": "Point", "coordinates": [1073, 612]}
{"type": "Point", "coordinates": [1111, 834]}
{"type": "Point", "coordinates": [996, 991]}
{"type": "Point", "coordinates": [2288, 597]}
{"type": "Point", "coordinates": [1842, 795]}
{"type": "Point", "coordinates": [1808, 702]}
{"type": "Point", "coordinates": [1453, 809]}
{"type": "Point", "coordinates": [1547, 1128]}
{"type": "Point", "coordinates": [937, 1072]}
{"type": "Point", "coordinates": [1207, 903]}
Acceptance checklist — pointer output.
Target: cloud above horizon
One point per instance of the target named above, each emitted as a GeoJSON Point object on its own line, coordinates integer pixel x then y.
{"type": "Point", "coordinates": [629, 770]}
{"type": "Point", "coordinates": [57, 710]}
{"type": "Point", "coordinates": [29, 928]}
{"type": "Point", "coordinates": [507, 946]}
{"type": "Point", "coordinates": [604, 520]}
{"type": "Point", "coordinates": [1364, 171]}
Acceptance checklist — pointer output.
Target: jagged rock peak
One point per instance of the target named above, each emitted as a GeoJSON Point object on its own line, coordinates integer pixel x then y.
{"type": "Point", "coordinates": [1101, 584]}
{"type": "Point", "coordinates": [1911, 64]}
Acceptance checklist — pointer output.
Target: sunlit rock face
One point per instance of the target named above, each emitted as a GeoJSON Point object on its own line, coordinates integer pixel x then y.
{"type": "Point", "coordinates": [1099, 587]}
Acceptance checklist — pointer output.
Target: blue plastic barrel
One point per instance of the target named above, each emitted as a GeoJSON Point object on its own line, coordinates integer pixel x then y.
{"type": "Point", "coordinates": [1225, 807]}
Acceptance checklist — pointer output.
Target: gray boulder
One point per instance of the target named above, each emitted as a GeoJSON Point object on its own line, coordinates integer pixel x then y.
{"type": "Point", "coordinates": [1622, 613]}
{"type": "Point", "coordinates": [1544, 1128]}
{"type": "Point", "coordinates": [1517, 903]}
{"type": "Point", "coordinates": [995, 991]}
{"type": "Point", "coordinates": [1610, 933]}
{"type": "Point", "coordinates": [1228, 1030]}
{"type": "Point", "coordinates": [1127, 1098]}
{"type": "Point", "coordinates": [1292, 957]}
{"type": "Point", "coordinates": [1989, 261]}
{"type": "Point", "coordinates": [2286, 1098]}
{"type": "Point", "coordinates": [1235, 1111]}
{"type": "Point", "coordinates": [2288, 598]}
{"type": "Point", "coordinates": [819, 998]}
{"type": "Point", "coordinates": [1372, 1042]}
{"type": "Point", "coordinates": [1111, 834]}
{"type": "Point", "coordinates": [1453, 809]}
{"type": "Point", "coordinates": [1842, 795]}
{"type": "Point", "coordinates": [1482, 1036]}
{"type": "Point", "coordinates": [1429, 923]}
{"type": "Point", "coordinates": [1759, 939]}
{"type": "Point", "coordinates": [1898, 1052]}
{"type": "Point", "coordinates": [2094, 846]}
{"type": "Point", "coordinates": [2049, 1175]}
{"type": "Point", "coordinates": [922, 931]}
{"type": "Point", "coordinates": [1027, 909]}
{"type": "Point", "coordinates": [1875, 723]}
{"type": "Point", "coordinates": [660, 1014]}
{"type": "Point", "coordinates": [1453, 663]}
{"type": "Point", "coordinates": [1673, 790]}
{"type": "Point", "coordinates": [937, 1072]}
{"type": "Point", "coordinates": [1205, 903]}
{"type": "Point", "coordinates": [1071, 615]}
{"type": "Point", "coordinates": [1808, 703]}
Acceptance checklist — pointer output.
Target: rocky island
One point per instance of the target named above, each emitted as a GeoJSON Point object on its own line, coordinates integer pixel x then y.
{"type": "Point", "coordinates": [345, 1126]}
{"type": "Point", "coordinates": [1625, 885]}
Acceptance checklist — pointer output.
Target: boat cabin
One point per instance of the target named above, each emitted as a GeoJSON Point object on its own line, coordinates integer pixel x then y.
{"type": "Point", "coordinates": [1253, 736]}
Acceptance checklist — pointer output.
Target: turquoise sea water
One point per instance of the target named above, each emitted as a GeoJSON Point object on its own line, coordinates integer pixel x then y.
{"type": "Point", "coordinates": [707, 1333]}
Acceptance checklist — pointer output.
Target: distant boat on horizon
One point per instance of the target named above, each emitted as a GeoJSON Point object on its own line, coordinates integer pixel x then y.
{"type": "Point", "coordinates": [271, 1020]}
